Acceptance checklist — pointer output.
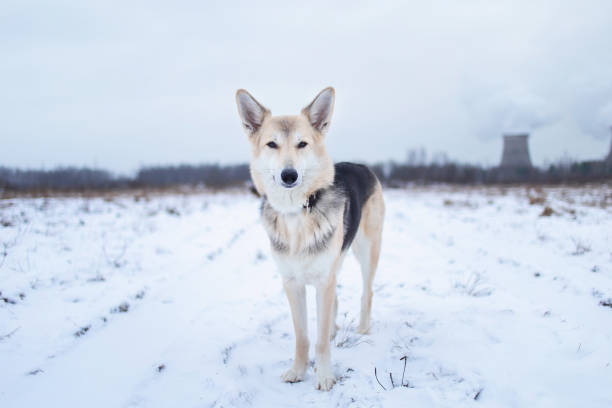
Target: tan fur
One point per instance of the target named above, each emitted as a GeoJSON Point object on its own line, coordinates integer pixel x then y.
{"type": "Point", "coordinates": [296, 294]}
{"type": "Point", "coordinates": [326, 297]}
{"type": "Point", "coordinates": [301, 232]}
{"type": "Point", "coordinates": [275, 128]}
{"type": "Point", "coordinates": [307, 246]}
{"type": "Point", "coordinates": [367, 250]}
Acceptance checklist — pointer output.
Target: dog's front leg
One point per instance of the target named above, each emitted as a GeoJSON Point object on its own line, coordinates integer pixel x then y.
{"type": "Point", "coordinates": [326, 294]}
{"type": "Point", "coordinates": [296, 294]}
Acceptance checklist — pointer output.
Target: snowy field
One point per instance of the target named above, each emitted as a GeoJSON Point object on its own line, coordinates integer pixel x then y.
{"type": "Point", "coordinates": [173, 301]}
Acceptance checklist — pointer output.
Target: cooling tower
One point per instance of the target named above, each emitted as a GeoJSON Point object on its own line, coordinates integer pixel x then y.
{"type": "Point", "coordinates": [516, 151]}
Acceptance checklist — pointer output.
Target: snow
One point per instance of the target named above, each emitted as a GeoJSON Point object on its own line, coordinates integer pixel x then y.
{"type": "Point", "coordinates": [157, 300]}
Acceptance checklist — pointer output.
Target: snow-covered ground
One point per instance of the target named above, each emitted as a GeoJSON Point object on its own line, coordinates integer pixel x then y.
{"type": "Point", "coordinates": [173, 301]}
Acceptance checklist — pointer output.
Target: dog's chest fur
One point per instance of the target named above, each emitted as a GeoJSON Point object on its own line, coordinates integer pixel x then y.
{"type": "Point", "coordinates": [304, 239]}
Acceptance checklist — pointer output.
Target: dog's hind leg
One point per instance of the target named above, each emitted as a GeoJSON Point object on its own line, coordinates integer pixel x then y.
{"type": "Point", "coordinates": [296, 294]}
{"type": "Point", "coordinates": [366, 248]}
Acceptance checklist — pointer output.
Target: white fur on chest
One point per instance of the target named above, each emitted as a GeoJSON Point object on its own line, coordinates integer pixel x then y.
{"type": "Point", "coordinates": [298, 265]}
{"type": "Point", "coordinates": [311, 270]}
{"type": "Point", "coordinates": [306, 243]}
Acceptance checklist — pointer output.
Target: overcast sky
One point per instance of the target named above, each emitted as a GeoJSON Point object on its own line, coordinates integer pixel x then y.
{"type": "Point", "coordinates": [120, 84]}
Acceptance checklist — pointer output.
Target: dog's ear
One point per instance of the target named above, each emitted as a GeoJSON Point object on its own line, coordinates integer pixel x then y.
{"type": "Point", "coordinates": [252, 113]}
{"type": "Point", "coordinates": [320, 110]}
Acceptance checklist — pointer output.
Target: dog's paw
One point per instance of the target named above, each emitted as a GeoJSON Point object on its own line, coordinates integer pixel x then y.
{"type": "Point", "coordinates": [324, 382]}
{"type": "Point", "coordinates": [293, 375]}
{"type": "Point", "coordinates": [363, 329]}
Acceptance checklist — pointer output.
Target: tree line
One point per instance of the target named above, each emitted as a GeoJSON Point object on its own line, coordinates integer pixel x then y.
{"type": "Point", "coordinates": [393, 174]}
{"type": "Point", "coordinates": [83, 179]}
{"type": "Point", "coordinates": [220, 176]}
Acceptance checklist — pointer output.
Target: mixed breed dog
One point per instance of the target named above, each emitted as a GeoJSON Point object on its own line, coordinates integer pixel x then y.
{"type": "Point", "coordinates": [313, 212]}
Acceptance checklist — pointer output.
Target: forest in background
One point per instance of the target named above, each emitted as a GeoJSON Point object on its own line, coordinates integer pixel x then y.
{"type": "Point", "coordinates": [219, 176]}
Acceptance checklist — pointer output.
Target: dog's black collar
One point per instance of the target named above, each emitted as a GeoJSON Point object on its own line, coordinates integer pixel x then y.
{"type": "Point", "coordinates": [312, 200]}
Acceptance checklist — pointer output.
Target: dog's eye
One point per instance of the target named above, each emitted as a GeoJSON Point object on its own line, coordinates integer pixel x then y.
{"type": "Point", "coordinates": [302, 145]}
{"type": "Point", "coordinates": [272, 145]}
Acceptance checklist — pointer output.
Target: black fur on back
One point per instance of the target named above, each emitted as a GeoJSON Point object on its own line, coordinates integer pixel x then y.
{"type": "Point", "coordinates": [356, 183]}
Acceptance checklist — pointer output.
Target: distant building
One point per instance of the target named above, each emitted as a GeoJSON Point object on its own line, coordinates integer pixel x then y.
{"type": "Point", "coordinates": [516, 152]}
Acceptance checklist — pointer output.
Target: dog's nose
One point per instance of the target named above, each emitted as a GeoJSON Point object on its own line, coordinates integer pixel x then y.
{"type": "Point", "coordinates": [289, 176]}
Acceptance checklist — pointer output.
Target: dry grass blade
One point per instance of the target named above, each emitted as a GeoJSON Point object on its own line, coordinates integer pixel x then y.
{"type": "Point", "coordinates": [379, 383]}
{"type": "Point", "coordinates": [8, 335]}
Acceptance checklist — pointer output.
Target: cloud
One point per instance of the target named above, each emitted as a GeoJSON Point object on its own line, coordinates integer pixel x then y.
{"type": "Point", "coordinates": [123, 84]}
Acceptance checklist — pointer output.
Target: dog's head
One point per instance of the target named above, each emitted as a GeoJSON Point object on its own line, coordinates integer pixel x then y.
{"type": "Point", "coordinates": [289, 161]}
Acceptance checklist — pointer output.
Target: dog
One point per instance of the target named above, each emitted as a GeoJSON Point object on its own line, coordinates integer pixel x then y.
{"type": "Point", "coordinates": [313, 211]}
